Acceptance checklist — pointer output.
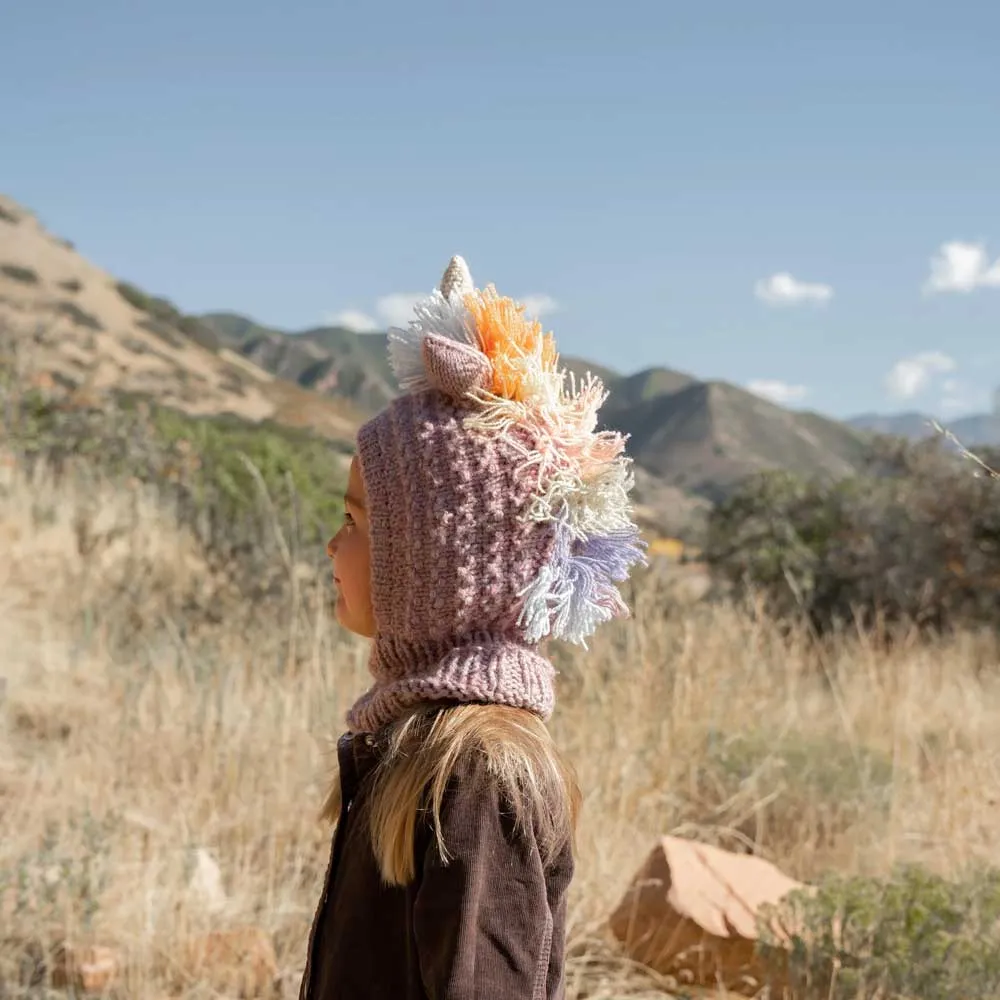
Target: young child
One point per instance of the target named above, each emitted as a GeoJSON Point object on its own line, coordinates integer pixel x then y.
{"type": "Point", "coordinates": [484, 514]}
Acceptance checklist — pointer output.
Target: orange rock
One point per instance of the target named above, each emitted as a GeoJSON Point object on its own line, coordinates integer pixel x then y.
{"type": "Point", "coordinates": [85, 969]}
{"type": "Point", "coordinates": [240, 961]}
{"type": "Point", "coordinates": [691, 912]}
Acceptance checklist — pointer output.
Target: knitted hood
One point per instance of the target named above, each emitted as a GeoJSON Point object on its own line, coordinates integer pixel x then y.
{"type": "Point", "coordinates": [498, 515]}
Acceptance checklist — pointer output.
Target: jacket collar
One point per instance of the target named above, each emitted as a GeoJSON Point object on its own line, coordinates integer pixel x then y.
{"type": "Point", "coordinates": [357, 754]}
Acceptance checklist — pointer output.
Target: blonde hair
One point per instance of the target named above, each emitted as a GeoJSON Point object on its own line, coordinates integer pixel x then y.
{"type": "Point", "coordinates": [533, 777]}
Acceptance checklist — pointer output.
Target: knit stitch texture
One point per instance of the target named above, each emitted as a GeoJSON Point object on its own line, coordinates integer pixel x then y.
{"type": "Point", "coordinates": [498, 514]}
{"type": "Point", "coordinates": [451, 552]}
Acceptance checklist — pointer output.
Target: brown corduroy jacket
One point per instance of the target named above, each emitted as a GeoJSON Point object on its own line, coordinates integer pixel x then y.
{"type": "Point", "coordinates": [487, 925]}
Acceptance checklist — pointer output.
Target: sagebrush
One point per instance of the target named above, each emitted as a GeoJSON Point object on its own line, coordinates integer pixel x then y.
{"type": "Point", "coordinates": [915, 539]}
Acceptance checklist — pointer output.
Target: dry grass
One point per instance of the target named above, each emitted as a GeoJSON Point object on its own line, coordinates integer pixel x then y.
{"type": "Point", "coordinates": [705, 721]}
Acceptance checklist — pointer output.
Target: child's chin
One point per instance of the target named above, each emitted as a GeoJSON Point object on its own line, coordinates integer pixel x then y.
{"type": "Point", "coordinates": [347, 621]}
{"type": "Point", "coordinates": [342, 613]}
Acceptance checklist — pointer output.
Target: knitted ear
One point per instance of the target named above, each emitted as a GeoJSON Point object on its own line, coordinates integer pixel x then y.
{"type": "Point", "coordinates": [453, 367]}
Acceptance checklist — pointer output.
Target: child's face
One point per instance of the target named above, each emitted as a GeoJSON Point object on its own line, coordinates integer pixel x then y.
{"type": "Point", "coordinates": [349, 549]}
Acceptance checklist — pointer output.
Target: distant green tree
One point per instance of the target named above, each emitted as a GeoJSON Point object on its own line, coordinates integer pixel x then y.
{"type": "Point", "coordinates": [915, 538]}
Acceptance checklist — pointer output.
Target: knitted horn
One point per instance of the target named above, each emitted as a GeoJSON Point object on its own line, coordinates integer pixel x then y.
{"type": "Point", "coordinates": [456, 278]}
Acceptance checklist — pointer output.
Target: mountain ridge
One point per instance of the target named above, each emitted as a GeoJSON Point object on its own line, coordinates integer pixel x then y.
{"type": "Point", "coordinates": [701, 437]}
{"type": "Point", "coordinates": [81, 330]}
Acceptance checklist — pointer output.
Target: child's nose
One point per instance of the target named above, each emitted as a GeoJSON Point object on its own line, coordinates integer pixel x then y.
{"type": "Point", "coordinates": [331, 547]}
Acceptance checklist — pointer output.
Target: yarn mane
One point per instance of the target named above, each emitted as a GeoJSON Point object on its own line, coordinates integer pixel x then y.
{"type": "Point", "coordinates": [583, 477]}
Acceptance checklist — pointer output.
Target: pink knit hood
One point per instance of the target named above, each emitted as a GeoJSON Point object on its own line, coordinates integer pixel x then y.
{"type": "Point", "coordinates": [497, 515]}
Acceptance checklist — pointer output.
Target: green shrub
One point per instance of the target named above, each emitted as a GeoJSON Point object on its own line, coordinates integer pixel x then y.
{"type": "Point", "coordinates": [17, 273]}
{"type": "Point", "coordinates": [167, 318]}
{"type": "Point", "coordinates": [914, 935]}
{"type": "Point", "coordinates": [71, 285]}
{"type": "Point", "coordinates": [198, 464]}
{"type": "Point", "coordinates": [136, 346]}
{"type": "Point", "coordinates": [79, 317]}
{"type": "Point", "coordinates": [165, 331]}
{"type": "Point", "coordinates": [137, 298]}
{"type": "Point", "coordinates": [298, 469]}
{"type": "Point", "coordinates": [915, 539]}
{"type": "Point", "coordinates": [200, 333]}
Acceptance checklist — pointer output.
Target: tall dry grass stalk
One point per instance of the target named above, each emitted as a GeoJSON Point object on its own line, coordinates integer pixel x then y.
{"type": "Point", "coordinates": [125, 765]}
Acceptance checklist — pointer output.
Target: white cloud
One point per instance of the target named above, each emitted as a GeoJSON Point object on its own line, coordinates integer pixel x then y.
{"type": "Point", "coordinates": [396, 309]}
{"type": "Point", "coordinates": [911, 376]}
{"type": "Point", "coordinates": [353, 319]}
{"type": "Point", "coordinates": [783, 290]}
{"type": "Point", "coordinates": [778, 392]}
{"type": "Point", "coordinates": [962, 267]}
{"type": "Point", "coordinates": [537, 306]}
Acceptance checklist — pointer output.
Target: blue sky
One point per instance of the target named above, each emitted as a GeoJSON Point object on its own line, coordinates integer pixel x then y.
{"type": "Point", "coordinates": [747, 191]}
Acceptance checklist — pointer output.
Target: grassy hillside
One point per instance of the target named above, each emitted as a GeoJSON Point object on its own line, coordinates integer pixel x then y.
{"type": "Point", "coordinates": [172, 679]}
{"type": "Point", "coordinates": [83, 333]}
{"type": "Point", "coordinates": [138, 756]}
{"type": "Point", "coordinates": [252, 493]}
